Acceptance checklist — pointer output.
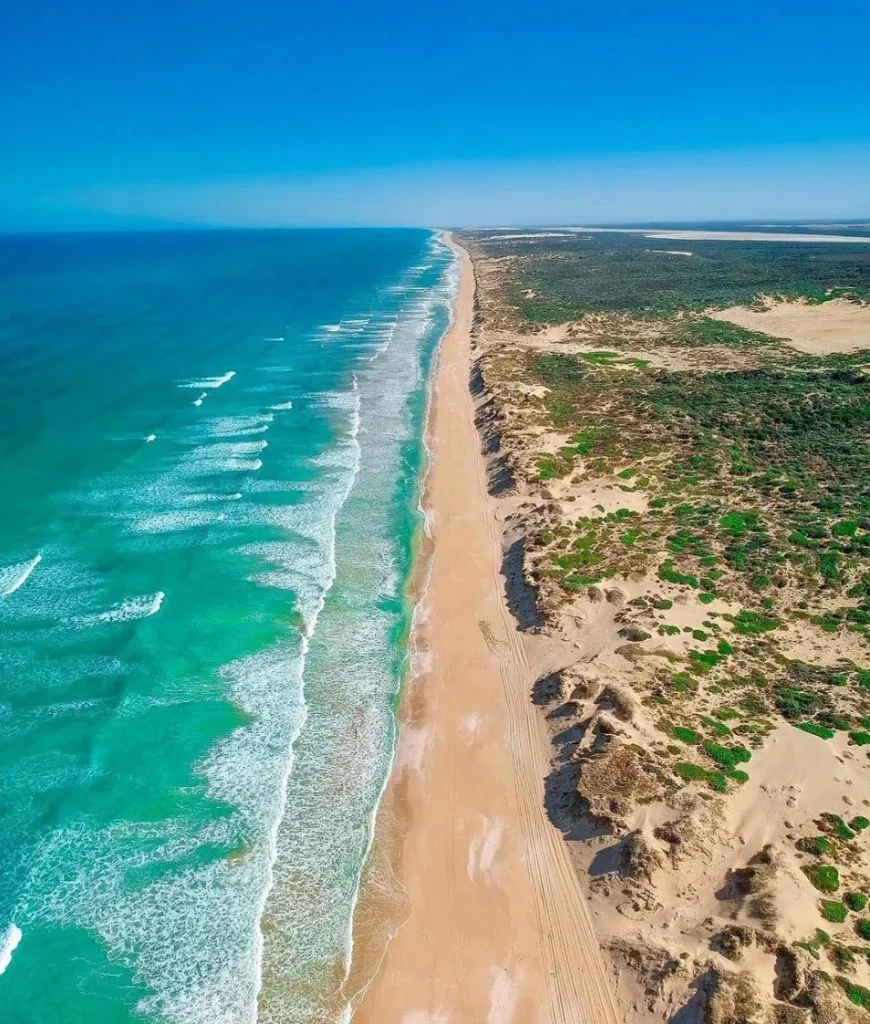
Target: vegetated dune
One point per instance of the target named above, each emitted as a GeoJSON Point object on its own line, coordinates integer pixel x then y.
{"type": "Point", "coordinates": [688, 548]}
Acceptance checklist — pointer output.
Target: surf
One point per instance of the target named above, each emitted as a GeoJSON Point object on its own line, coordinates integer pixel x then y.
{"type": "Point", "coordinates": [13, 577]}
{"type": "Point", "coordinates": [8, 944]}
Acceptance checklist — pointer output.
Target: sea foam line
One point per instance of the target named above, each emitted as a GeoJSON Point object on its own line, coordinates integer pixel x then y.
{"type": "Point", "coordinates": [8, 945]}
{"type": "Point", "coordinates": [130, 610]}
{"type": "Point", "coordinates": [305, 643]}
{"type": "Point", "coordinates": [416, 662]}
{"type": "Point", "coordinates": [208, 382]}
{"type": "Point", "coordinates": [14, 576]}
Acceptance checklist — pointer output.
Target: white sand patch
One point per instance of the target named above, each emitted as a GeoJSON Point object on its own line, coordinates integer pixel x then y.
{"type": "Point", "coordinates": [836, 326]}
{"type": "Point", "coordinates": [471, 724]}
{"type": "Point", "coordinates": [425, 1017]}
{"type": "Point", "coordinates": [731, 236]}
{"type": "Point", "coordinates": [502, 999]}
{"type": "Point", "coordinates": [483, 848]}
{"type": "Point", "coordinates": [413, 745]}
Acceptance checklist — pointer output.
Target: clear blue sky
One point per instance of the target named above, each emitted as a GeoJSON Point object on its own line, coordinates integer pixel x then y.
{"type": "Point", "coordinates": [457, 112]}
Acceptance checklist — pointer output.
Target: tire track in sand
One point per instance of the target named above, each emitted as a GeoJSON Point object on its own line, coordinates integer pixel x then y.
{"type": "Point", "coordinates": [579, 988]}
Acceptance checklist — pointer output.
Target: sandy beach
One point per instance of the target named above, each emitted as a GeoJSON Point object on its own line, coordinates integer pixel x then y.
{"type": "Point", "coordinates": [494, 926]}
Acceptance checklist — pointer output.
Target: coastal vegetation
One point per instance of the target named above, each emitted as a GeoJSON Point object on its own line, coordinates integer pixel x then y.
{"type": "Point", "coordinates": [702, 492]}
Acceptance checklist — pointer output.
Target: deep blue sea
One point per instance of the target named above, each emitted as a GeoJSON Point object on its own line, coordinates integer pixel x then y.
{"type": "Point", "coordinates": [211, 447]}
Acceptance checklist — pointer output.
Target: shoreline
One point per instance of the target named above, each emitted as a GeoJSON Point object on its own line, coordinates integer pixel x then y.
{"type": "Point", "coordinates": [469, 908]}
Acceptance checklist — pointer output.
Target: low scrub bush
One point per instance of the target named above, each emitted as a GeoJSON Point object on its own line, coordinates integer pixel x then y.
{"type": "Point", "coordinates": [833, 911]}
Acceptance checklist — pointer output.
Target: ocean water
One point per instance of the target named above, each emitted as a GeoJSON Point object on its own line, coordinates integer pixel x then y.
{"type": "Point", "coordinates": [211, 447]}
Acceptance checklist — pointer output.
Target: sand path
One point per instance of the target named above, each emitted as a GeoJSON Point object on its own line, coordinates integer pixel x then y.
{"type": "Point", "coordinates": [498, 929]}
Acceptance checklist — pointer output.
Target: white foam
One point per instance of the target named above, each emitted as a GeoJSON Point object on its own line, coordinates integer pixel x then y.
{"type": "Point", "coordinates": [14, 576]}
{"type": "Point", "coordinates": [150, 438]}
{"type": "Point", "coordinates": [8, 945]}
{"type": "Point", "coordinates": [205, 496]}
{"type": "Point", "coordinates": [332, 328]}
{"type": "Point", "coordinates": [131, 609]}
{"type": "Point", "coordinates": [208, 382]}
{"type": "Point", "coordinates": [173, 521]}
{"type": "Point", "coordinates": [198, 401]}
{"type": "Point", "coordinates": [238, 426]}
{"type": "Point", "coordinates": [274, 339]}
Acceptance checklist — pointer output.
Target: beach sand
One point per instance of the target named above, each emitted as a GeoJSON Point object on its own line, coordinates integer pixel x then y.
{"type": "Point", "coordinates": [490, 920]}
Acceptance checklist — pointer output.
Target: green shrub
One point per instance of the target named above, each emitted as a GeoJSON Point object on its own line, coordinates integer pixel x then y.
{"type": "Point", "coordinates": [855, 901]}
{"type": "Point", "coordinates": [559, 368]}
{"type": "Point", "coordinates": [863, 928]}
{"type": "Point", "coordinates": [856, 994]}
{"type": "Point", "coordinates": [703, 661]}
{"type": "Point", "coordinates": [720, 728]}
{"type": "Point", "coordinates": [818, 846]}
{"type": "Point", "coordinates": [691, 772]}
{"type": "Point", "coordinates": [842, 956]}
{"type": "Point", "coordinates": [668, 573]}
{"type": "Point", "coordinates": [833, 911]}
{"type": "Point", "coordinates": [795, 703]}
{"type": "Point", "coordinates": [860, 739]}
{"type": "Point", "coordinates": [817, 730]}
{"type": "Point", "coordinates": [825, 877]}
{"type": "Point", "coordinates": [859, 823]}
{"type": "Point", "coordinates": [717, 781]}
{"type": "Point", "coordinates": [706, 597]}
{"type": "Point", "coordinates": [683, 682]}
{"type": "Point", "coordinates": [839, 827]}
{"type": "Point", "coordinates": [752, 623]}
{"type": "Point", "coordinates": [727, 757]}
{"type": "Point", "coordinates": [724, 648]}
{"type": "Point", "coordinates": [686, 735]}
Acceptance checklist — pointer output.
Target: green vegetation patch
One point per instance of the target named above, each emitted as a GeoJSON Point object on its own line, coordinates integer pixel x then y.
{"type": "Point", "coordinates": [825, 877]}
{"type": "Point", "coordinates": [856, 994]}
{"type": "Point", "coordinates": [686, 735]}
{"type": "Point", "coordinates": [818, 846]}
{"type": "Point", "coordinates": [856, 901]}
{"type": "Point", "coordinates": [558, 368]}
{"type": "Point", "coordinates": [695, 773]}
{"type": "Point", "coordinates": [837, 827]}
{"type": "Point", "coordinates": [726, 757]}
{"type": "Point", "coordinates": [833, 911]}
{"type": "Point", "coordinates": [817, 730]}
{"type": "Point", "coordinates": [750, 623]}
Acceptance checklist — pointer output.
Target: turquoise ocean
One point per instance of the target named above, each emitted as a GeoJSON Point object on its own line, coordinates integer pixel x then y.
{"type": "Point", "coordinates": [211, 447]}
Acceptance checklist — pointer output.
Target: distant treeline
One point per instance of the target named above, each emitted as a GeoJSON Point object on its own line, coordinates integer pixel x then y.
{"type": "Point", "coordinates": [555, 279]}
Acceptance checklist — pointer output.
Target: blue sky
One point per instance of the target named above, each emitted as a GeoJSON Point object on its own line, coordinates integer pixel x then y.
{"type": "Point", "coordinates": [460, 112]}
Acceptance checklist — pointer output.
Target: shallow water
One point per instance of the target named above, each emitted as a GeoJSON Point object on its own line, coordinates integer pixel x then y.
{"type": "Point", "coordinates": [212, 446]}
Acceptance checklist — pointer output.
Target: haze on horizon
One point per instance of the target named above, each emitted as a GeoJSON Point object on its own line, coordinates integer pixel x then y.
{"type": "Point", "coordinates": [206, 114]}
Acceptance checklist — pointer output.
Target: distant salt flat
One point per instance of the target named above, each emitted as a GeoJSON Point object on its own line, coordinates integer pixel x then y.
{"type": "Point", "coordinates": [538, 234]}
{"type": "Point", "coordinates": [728, 236]}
